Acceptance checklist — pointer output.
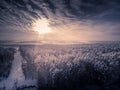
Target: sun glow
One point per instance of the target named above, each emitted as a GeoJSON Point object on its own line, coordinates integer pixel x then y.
{"type": "Point", "coordinates": [59, 34]}
{"type": "Point", "coordinates": [42, 26]}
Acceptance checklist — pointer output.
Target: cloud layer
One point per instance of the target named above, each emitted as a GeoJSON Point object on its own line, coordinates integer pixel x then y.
{"type": "Point", "coordinates": [101, 17]}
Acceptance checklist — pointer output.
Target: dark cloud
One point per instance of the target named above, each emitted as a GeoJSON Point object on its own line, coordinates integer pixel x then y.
{"type": "Point", "coordinates": [19, 14]}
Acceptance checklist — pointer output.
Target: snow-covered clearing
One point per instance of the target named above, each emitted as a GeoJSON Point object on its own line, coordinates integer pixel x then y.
{"type": "Point", "coordinates": [16, 78]}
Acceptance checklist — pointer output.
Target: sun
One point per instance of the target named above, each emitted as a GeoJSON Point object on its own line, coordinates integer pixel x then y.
{"type": "Point", "coordinates": [42, 26]}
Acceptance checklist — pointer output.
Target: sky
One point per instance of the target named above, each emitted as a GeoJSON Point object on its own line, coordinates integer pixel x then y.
{"type": "Point", "coordinates": [68, 20]}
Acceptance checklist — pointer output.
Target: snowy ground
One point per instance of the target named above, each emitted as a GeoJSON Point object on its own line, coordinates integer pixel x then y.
{"type": "Point", "coordinates": [65, 67]}
{"type": "Point", "coordinates": [16, 78]}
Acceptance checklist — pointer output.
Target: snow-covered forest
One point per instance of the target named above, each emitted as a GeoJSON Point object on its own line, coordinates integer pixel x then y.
{"type": "Point", "coordinates": [60, 67]}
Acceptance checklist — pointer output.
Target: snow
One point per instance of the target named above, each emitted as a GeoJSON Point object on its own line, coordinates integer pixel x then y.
{"type": "Point", "coordinates": [47, 64]}
{"type": "Point", "coordinates": [16, 70]}
{"type": "Point", "coordinates": [16, 78]}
